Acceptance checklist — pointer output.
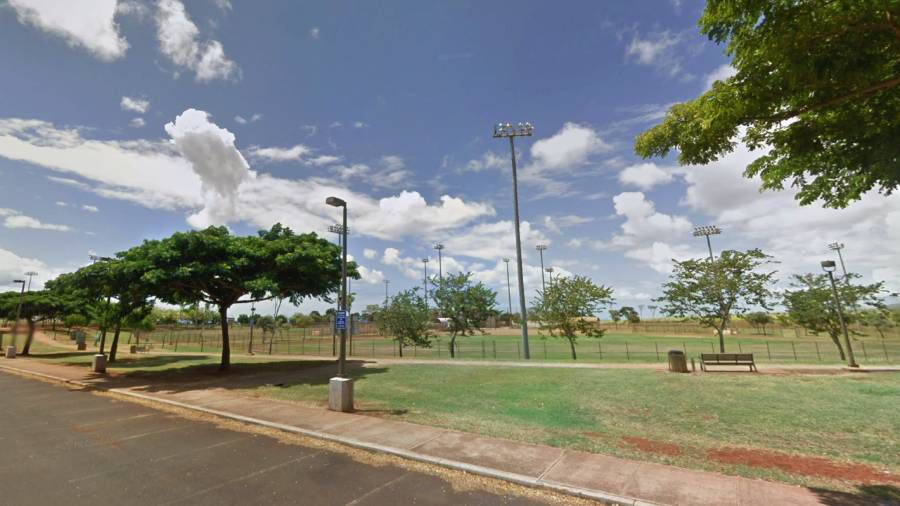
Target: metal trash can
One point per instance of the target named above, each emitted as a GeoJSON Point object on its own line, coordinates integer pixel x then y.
{"type": "Point", "coordinates": [677, 361]}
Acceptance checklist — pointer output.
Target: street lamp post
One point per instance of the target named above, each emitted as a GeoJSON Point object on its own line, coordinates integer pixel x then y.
{"type": "Point", "coordinates": [252, 324]}
{"type": "Point", "coordinates": [339, 230]}
{"type": "Point", "coordinates": [707, 231]}
{"type": "Point", "coordinates": [511, 132]}
{"type": "Point", "coordinates": [541, 248]}
{"type": "Point", "coordinates": [829, 266]}
{"type": "Point", "coordinates": [340, 391]}
{"type": "Point", "coordinates": [508, 290]}
{"type": "Point", "coordinates": [15, 332]}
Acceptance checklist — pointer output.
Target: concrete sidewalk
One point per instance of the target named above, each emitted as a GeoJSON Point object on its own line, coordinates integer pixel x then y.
{"type": "Point", "coordinates": [587, 475]}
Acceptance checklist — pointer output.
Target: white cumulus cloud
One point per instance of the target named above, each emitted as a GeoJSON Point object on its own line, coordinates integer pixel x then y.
{"type": "Point", "coordinates": [179, 41]}
{"type": "Point", "coordinates": [645, 175]}
{"type": "Point", "coordinates": [15, 219]}
{"type": "Point", "coordinates": [138, 105]}
{"type": "Point", "coordinates": [90, 25]}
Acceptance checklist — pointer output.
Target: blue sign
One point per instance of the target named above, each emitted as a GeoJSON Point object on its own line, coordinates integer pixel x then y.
{"type": "Point", "coordinates": [340, 320]}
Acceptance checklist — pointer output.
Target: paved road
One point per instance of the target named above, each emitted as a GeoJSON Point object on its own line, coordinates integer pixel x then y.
{"type": "Point", "coordinates": [61, 446]}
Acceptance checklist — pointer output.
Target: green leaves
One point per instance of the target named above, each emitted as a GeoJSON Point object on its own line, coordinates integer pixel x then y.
{"type": "Point", "coordinates": [466, 304]}
{"type": "Point", "coordinates": [712, 291]}
{"type": "Point", "coordinates": [564, 308]}
{"type": "Point", "coordinates": [817, 85]}
{"type": "Point", "coordinates": [406, 319]}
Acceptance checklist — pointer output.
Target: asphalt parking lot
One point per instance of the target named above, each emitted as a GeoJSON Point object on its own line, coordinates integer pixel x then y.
{"type": "Point", "coordinates": [65, 446]}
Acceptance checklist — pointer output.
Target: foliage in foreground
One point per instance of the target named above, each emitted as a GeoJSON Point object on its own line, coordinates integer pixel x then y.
{"type": "Point", "coordinates": [816, 85]}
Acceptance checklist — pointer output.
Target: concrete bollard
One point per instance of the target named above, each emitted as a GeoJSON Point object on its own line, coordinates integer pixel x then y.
{"type": "Point", "coordinates": [340, 394]}
{"type": "Point", "coordinates": [11, 352]}
{"type": "Point", "coordinates": [98, 364]}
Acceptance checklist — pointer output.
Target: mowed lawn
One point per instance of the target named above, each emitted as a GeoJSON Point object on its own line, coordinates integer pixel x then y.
{"type": "Point", "coordinates": [680, 419]}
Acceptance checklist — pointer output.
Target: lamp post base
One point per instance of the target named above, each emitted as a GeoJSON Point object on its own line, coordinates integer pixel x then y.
{"type": "Point", "coordinates": [11, 352]}
{"type": "Point", "coordinates": [340, 394]}
{"type": "Point", "coordinates": [98, 364]}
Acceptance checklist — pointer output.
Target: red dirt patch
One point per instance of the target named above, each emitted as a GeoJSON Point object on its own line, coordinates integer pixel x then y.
{"type": "Point", "coordinates": [809, 466]}
{"type": "Point", "coordinates": [650, 446]}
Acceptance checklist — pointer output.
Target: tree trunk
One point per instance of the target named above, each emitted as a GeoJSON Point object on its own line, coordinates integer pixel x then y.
{"type": "Point", "coordinates": [721, 339]}
{"type": "Point", "coordinates": [400, 347]}
{"type": "Point", "coordinates": [226, 348]}
{"type": "Point", "coordinates": [837, 342]}
{"type": "Point", "coordinates": [28, 339]}
{"type": "Point", "coordinates": [115, 343]}
{"type": "Point", "coordinates": [572, 346]}
{"type": "Point", "coordinates": [453, 346]}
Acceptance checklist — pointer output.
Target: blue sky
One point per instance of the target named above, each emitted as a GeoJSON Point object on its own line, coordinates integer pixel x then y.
{"type": "Point", "coordinates": [271, 106]}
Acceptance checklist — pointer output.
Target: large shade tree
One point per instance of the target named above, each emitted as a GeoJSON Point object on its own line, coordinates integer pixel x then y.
{"type": "Point", "coordinates": [711, 292]}
{"type": "Point", "coordinates": [36, 306]}
{"type": "Point", "coordinates": [816, 83]}
{"type": "Point", "coordinates": [117, 280]}
{"type": "Point", "coordinates": [221, 269]}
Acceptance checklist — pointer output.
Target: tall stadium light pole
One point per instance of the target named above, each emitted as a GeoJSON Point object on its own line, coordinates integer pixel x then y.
{"type": "Point", "coordinates": [541, 248]}
{"type": "Point", "coordinates": [508, 290]}
{"type": "Point", "coordinates": [838, 246]}
{"type": "Point", "coordinates": [511, 132]}
{"type": "Point", "coordinates": [18, 311]}
{"type": "Point", "coordinates": [829, 266]}
{"type": "Point", "coordinates": [336, 202]}
{"type": "Point", "coordinates": [707, 231]}
{"type": "Point", "coordinates": [386, 283]}
{"type": "Point", "coordinates": [440, 248]}
{"type": "Point", "coordinates": [550, 275]}
{"type": "Point", "coordinates": [30, 275]}
{"type": "Point", "coordinates": [425, 279]}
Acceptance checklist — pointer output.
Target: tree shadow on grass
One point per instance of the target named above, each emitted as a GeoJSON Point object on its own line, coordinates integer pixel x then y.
{"type": "Point", "coordinates": [865, 495]}
{"type": "Point", "coordinates": [241, 375]}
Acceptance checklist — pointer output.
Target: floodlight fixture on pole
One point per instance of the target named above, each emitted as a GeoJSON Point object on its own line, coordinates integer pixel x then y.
{"type": "Point", "coordinates": [541, 248]}
{"type": "Point", "coordinates": [30, 275]}
{"type": "Point", "coordinates": [838, 246]}
{"type": "Point", "coordinates": [550, 275]}
{"type": "Point", "coordinates": [511, 131]}
{"type": "Point", "coordinates": [508, 290]}
{"type": "Point", "coordinates": [386, 283]}
{"type": "Point", "coordinates": [829, 267]}
{"type": "Point", "coordinates": [342, 356]}
{"type": "Point", "coordinates": [706, 231]}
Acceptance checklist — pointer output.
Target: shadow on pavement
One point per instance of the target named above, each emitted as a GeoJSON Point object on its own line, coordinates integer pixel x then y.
{"type": "Point", "coordinates": [865, 495]}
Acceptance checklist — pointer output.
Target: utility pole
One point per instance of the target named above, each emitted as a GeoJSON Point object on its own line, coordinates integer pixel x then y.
{"type": "Point", "coordinates": [541, 248]}
{"type": "Point", "coordinates": [511, 132]}
{"type": "Point", "coordinates": [508, 290]}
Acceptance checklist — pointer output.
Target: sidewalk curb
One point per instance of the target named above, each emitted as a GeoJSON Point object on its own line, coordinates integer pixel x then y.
{"type": "Point", "coordinates": [488, 472]}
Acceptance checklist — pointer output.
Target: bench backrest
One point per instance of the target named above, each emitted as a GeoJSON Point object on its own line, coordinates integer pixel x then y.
{"type": "Point", "coordinates": [726, 357]}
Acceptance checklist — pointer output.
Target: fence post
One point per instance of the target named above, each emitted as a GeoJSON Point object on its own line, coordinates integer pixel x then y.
{"type": "Point", "coordinates": [818, 355]}
{"type": "Point", "coordinates": [494, 345]}
{"type": "Point", "coordinates": [684, 347]}
{"type": "Point", "coordinates": [865, 355]}
{"type": "Point", "coordinates": [768, 351]}
{"type": "Point", "coordinates": [886, 359]}
{"type": "Point", "coordinates": [712, 346]}
{"type": "Point", "coordinates": [600, 350]}
{"type": "Point", "coordinates": [373, 347]}
{"type": "Point", "coordinates": [201, 343]}
{"type": "Point", "coordinates": [627, 354]}
{"type": "Point", "coordinates": [176, 344]}
{"type": "Point", "coordinates": [795, 350]}
{"type": "Point", "coordinates": [439, 348]}
{"type": "Point", "coordinates": [482, 348]}
{"type": "Point", "coordinates": [740, 350]}
{"type": "Point", "coordinates": [518, 351]}
{"type": "Point", "coordinates": [545, 350]}
{"type": "Point", "coordinates": [319, 346]}
{"type": "Point", "coordinates": [657, 349]}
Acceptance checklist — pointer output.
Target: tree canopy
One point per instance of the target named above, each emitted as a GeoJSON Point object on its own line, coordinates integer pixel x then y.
{"type": "Point", "coordinates": [221, 269]}
{"type": "Point", "coordinates": [712, 291]}
{"type": "Point", "coordinates": [816, 85]}
{"type": "Point", "coordinates": [466, 304]}
{"type": "Point", "coordinates": [563, 307]}
{"type": "Point", "coordinates": [406, 319]}
{"type": "Point", "coordinates": [36, 306]}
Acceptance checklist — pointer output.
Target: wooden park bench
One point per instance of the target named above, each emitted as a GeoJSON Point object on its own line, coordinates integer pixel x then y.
{"type": "Point", "coordinates": [707, 359]}
{"type": "Point", "coordinates": [140, 348]}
